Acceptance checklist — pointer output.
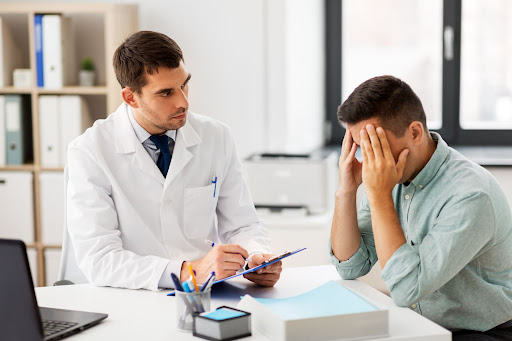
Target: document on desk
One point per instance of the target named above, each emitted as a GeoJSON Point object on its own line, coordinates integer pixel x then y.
{"type": "Point", "coordinates": [256, 268]}
{"type": "Point", "coordinates": [328, 312]}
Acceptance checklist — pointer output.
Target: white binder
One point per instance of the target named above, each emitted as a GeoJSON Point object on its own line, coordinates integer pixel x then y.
{"type": "Point", "coordinates": [58, 52]}
{"type": "Point", "coordinates": [32, 262]}
{"type": "Point", "coordinates": [52, 207]}
{"type": "Point", "coordinates": [2, 131]}
{"type": "Point", "coordinates": [16, 200]}
{"type": "Point", "coordinates": [10, 55]}
{"type": "Point", "coordinates": [75, 119]}
{"type": "Point", "coordinates": [52, 263]}
{"type": "Point", "coordinates": [49, 128]}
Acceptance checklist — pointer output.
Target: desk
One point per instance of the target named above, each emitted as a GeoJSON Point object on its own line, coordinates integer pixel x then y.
{"type": "Point", "coordinates": [147, 315]}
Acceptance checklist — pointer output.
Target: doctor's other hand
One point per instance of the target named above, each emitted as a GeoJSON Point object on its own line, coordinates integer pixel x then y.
{"type": "Point", "coordinates": [224, 259]}
{"type": "Point", "coordinates": [350, 169]}
{"type": "Point", "coordinates": [267, 276]}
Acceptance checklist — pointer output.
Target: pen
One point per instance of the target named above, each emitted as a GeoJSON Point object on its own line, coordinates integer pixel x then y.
{"type": "Point", "coordinates": [210, 284]}
{"type": "Point", "coordinates": [212, 244]}
{"type": "Point", "coordinates": [209, 242]}
{"type": "Point", "coordinates": [193, 277]}
{"type": "Point", "coordinates": [215, 188]}
{"type": "Point", "coordinates": [176, 281]}
{"type": "Point", "coordinates": [210, 278]}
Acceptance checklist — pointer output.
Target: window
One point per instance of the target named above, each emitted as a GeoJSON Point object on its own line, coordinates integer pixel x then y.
{"type": "Point", "coordinates": [453, 53]}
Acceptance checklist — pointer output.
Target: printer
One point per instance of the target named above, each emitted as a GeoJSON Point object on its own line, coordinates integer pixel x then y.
{"type": "Point", "coordinates": [304, 182]}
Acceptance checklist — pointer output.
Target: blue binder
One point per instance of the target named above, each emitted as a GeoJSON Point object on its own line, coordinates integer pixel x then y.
{"type": "Point", "coordinates": [38, 36]}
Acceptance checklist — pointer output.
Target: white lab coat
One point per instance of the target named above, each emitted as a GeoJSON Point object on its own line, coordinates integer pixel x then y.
{"type": "Point", "coordinates": [126, 222]}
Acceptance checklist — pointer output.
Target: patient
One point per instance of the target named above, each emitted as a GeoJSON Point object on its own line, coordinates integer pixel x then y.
{"type": "Point", "coordinates": [439, 224]}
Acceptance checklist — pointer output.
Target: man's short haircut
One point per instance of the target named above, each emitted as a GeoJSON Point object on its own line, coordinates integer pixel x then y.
{"type": "Point", "coordinates": [144, 52]}
{"type": "Point", "coordinates": [386, 98]}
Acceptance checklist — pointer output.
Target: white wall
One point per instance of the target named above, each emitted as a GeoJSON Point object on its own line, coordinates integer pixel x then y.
{"type": "Point", "coordinates": [257, 65]}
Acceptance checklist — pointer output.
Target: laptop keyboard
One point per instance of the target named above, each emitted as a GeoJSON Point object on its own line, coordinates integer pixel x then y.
{"type": "Point", "coordinates": [52, 327]}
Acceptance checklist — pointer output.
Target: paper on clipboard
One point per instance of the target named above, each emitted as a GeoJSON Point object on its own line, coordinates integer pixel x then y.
{"type": "Point", "coordinates": [264, 264]}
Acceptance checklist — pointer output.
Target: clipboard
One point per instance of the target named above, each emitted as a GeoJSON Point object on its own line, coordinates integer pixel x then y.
{"type": "Point", "coordinates": [264, 264]}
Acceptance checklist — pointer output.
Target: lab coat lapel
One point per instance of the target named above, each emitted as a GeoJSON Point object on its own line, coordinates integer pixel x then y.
{"type": "Point", "coordinates": [128, 143]}
{"type": "Point", "coordinates": [186, 137]}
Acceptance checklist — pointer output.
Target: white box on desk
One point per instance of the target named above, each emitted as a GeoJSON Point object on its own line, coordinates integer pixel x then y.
{"type": "Point", "coordinates": [52, 207]}
{"type": "Point", "coordinates": [304, 325]}
{"type": "Point", "coordinates": [17, 202]}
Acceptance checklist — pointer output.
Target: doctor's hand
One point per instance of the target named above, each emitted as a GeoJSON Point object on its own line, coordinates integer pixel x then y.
{"type": "Point", "coordinates": [267, 276]}
{"type": "Point", "coordinates": [224, 259]}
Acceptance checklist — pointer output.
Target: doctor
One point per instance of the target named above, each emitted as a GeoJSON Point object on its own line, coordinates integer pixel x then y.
{"type": "Point", "coordinates": [148, 185]}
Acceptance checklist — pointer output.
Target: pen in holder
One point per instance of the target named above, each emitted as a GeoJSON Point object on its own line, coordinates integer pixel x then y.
{"type": "Point", "coordinates": [189, 304]}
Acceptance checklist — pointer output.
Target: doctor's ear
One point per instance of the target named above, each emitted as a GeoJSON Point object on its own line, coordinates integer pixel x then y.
{"type": "Point", "coordinates": [129, 97]}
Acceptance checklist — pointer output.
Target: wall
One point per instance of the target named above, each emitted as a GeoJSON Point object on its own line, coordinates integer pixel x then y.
{"type": "Point", "coordinates": [257, 65]}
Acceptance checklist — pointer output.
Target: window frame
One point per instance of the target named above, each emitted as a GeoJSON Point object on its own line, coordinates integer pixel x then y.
{"type": "Point", "coordinates": [451, 130]}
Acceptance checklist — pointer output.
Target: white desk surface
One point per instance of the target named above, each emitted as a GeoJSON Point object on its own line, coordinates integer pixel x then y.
{"type": "Point", "coordinates": [147, 315]}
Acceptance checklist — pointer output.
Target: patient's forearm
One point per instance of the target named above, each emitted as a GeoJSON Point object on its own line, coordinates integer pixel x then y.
{"type": "Point", "coordinates": [345, 235]}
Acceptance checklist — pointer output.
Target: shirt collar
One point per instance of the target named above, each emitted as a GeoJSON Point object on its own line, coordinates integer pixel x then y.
{"type": "Point", "coordinates": [434, 164]}
{"type": "Point", "coordinates": [141, 133]}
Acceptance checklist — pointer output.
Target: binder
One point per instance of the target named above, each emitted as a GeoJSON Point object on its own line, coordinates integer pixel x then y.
{"type": "Point", "coordinates": [2, 131]}
{"type": "Point", "coordinates": [50, 130]}
{"type": "Point", "coordinates": [38, 37]}
{"type": "Point", "coordinates": [32, 262]}
{"type": "Point", "coordinates": [58, 52]}
{"type": "Point", "coordinates": [16, 197]}
{"type": "Point", "coordinates": [74, 120]}
{"type": "Point", "coordinates": [52, 207]}
{"type": "Point", "coordinates": [18, 129]}
{"type": "Point", "coordinates": [10, 55]}
{"type": "Point", "coordinates": [52, 263]}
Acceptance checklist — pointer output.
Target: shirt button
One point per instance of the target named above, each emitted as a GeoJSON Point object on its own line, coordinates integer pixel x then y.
{"type": "Point", "coordinates": [414, 306]}
{"type": "Point", "coordinates": [407, 196]}
{"type": "Point", "coordinates": [421, 186]}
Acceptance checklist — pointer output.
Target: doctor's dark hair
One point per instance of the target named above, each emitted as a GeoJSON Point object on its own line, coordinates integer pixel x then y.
{"type": "Point", "coordinates": [386, 98]}
{"type": "Point", "coordinates": [144, 52]}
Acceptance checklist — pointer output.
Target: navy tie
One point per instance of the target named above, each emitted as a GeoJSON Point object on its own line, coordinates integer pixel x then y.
{"type": "Point", "coordinates": [164, 160]}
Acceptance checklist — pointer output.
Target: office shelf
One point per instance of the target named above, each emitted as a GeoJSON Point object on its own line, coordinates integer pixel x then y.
{"type": "Point", "coordinates": [97, 31]}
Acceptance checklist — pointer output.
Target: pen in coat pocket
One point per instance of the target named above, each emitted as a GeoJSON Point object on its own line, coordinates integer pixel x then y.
{"type": "Point", "coordinates": [214, 181]}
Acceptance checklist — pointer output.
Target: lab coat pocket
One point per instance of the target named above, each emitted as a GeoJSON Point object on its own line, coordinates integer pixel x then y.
{"type": "Point", "coordinates": [199, 211]}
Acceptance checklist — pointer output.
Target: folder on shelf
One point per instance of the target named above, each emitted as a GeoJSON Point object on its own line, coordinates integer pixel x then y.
{"type": "Point", "coordinates": [18, 129]}
{"type": "Point", "coordinates": [329, 312]}
{"type": "Point", "coordinates": [49, 131]}
{"type": "Point", "coordinates": [10, 55]}
{"type": "Point", "coordinates": [2, 131]}
{"type": "Point", "coordinates": [52, 196]}
{"type": "Point", "coordinates": [74, 120]}
{"type": "Point", "coordinates": [16, 196]}
{"type": "Point", "coordinates": [58, 52]}
{"type": "Point", "coordinates": [38, 37]}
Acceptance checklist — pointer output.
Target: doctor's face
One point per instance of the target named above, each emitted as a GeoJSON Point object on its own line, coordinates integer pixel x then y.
{"type": "Point", "coordinates": [163, 101]}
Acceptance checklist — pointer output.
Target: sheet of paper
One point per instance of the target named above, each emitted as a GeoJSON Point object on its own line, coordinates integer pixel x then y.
{"type": "Point", "coordinates": [329, 299]}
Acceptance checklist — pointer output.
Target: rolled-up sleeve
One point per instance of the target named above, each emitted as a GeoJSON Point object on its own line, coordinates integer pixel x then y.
{"type": "Point", "coordinates": [460, 232]}
{"type": "Point", "coordinates": [365, 257]}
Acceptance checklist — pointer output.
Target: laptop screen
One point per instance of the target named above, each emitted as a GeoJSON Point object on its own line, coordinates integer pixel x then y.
{"type": "Point", "coordinates": [19, 313]}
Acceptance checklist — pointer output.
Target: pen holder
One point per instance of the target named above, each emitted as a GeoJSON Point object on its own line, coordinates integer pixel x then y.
{"type": "Point", "coordinates": [189, 304]}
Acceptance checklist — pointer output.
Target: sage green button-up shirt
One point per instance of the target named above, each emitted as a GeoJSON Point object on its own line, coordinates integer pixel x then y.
{"type": "Point", "coordinates": [456, 266]}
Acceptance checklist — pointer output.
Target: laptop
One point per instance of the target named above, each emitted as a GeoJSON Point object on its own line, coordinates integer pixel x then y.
{"type": "Point", "coordinates": [20, 316]}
